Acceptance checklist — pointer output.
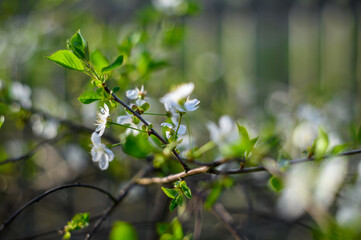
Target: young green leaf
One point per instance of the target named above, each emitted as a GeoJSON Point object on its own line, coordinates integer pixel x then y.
{"type": "Point", "coordinates": [185, 189]}
{"type": "Point", "coordinates": [179, 200]}
{"type": "Point", "coordinates": [67, 59]}
{"type": "Point", "coordinates": [243, 132]}
{"type": "Point", "coordinates": [98, 60]}
{"type": "Point", "coordinates": [89, 97]}
{"type": "Point", "coordinates": [171, 193]}
{"type": "Point", "coordinates": [173, 204]}
{"type": "Point", "coordinates": [2, 120]}
{"type": "Point", "coordinates": [79, 46]}
{"type": "Point", "coordinates": [123, 230]}
{"type": "Point", "coordinates": [275, 184]}
{"type": "Point", "coordinates": [113, 65]}
{"type": "Point", "coordinates": [145, 106]}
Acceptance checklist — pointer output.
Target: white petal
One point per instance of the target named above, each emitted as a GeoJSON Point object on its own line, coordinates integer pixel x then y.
{"type": "Point", "coordinates": [124, 119]}
{"type": "Point", "coordinates": [191, 105]}
{"type": "Point", "coordinates": [96, 140]}
{"type": "Point", "coordinates": [182, 130]}
{"type": "Point", "coordinates": [106, 109]}
{"type": "Point", "coordinates": [110, 154]}
{"type": "Point", "coordinates": [132, 94]}
{"type": "Point", "coordinates": [167, 125]}
{"type": "Point", "coordinates": [102, 129]}
{"type": "Point", "coordinates": [103, 163]}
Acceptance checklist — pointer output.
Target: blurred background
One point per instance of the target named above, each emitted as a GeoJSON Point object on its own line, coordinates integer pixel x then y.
{"type": "Point", "coordinates": [282, 68]}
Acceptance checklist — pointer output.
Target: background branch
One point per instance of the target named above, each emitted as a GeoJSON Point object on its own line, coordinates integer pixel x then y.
{"type": "Point", "coordinates": [43, 195]}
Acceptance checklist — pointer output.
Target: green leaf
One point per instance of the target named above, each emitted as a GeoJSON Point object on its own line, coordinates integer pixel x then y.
{"type": "Point", "coordinates": [98, 60]}
{"type": "Point", "coordinates": [123, 230]}
{"type": "Point", "coordinates": [171, 193]}
{"type": "Point", "coordinates": [185, 189]}
{"type": "Point", "coordinates": [137, 146]}
{"type": "Point", "coordinates": [275, 183]}
{"type": "Point", "coordinates": [321, 143]}
{"type": "Point", "coordinates": [145, 106]}
{"type": "Point", "coordinates": [89, 97]}
{"type": "Point", "coordinates": [113, 65]}
{"type": "Point", "coordinates": [173, 204]}
{"type": "Point", "coordinates": [79, 46]}
{"type": "Point", "coordinates": [177, 229]}
{"type": "Point", "coordinates": [179, 200]}
{"type": "Point", "coordinates": [2, 120]}
{"type": "Point", "coordinates": [67, 59]}
{"type": "Point", "coordinates": [78, 222]}
{"type": "Point", "coordinates": [115, 89]}
{"type": "Point", "coordinates": [213, 196]}
{"type": "Point", "coordinates": [243, 133]}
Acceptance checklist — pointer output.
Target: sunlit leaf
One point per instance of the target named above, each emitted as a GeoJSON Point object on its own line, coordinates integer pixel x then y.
{"type": "Point", "coordinates": [171, 193]}
{"type": "Point", "coordinates": [67, 59]}
{"type": "Point", "coordinates": [275, 184]}
{"type": "Point", "coordinates": [2, 120]}
{"type": "Point", "coordinates": [123, 230]}
{"type": "Point", "coordinates": [186, 190]}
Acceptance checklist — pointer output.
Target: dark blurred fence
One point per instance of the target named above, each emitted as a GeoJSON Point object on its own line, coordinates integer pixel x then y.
{"type": "Point", "coordinates": [310, 46]}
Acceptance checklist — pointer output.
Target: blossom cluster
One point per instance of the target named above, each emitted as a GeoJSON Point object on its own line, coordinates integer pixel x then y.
{"type": "Point", "coordinates": [176, 103]}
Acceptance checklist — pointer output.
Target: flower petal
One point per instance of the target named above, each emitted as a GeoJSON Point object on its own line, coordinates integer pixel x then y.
{"type": "Point", "coordinates": [95, 138]}
{"type": "Point", "coordinates": [132, 94]}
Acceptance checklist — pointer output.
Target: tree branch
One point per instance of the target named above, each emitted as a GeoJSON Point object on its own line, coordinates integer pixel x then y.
{"type": "Point", "coordinates": [241, 170]}
{"type": "Point", "coordinates": [33, 151]}
{"type": "Point", "coordinates": [227, 220]}
{"type": "Point", "coordinates": [41, 196]}
{"type": "Point", "coordinates": [122, 194]}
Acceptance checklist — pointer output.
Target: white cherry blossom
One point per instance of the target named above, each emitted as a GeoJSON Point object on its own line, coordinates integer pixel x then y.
{"type": "Point", "coordinates": [102, 119]}
{"type": "Point", "coordinates": [225, 132]}
{"type": "Point", "coordinates": [137, 94]}
{"type": "Point", "coordinates": [100, 153]}
{"type": "Point", "coordinates": [172, 128]}
{"type": "Point", "coordinates": [178, 99]}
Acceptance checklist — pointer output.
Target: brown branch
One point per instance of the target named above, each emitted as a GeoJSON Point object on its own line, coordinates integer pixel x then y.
{"type": "Point", "coordinates": [43, 195]}
{"type": "Point", "coordinates": [227, 220]}
{"type": "Point", "coordinates": [241, 170]}
{"type": "Point", "coordinates": [122, 194]}
{"type": "Point", "coordinates": [33, 150]}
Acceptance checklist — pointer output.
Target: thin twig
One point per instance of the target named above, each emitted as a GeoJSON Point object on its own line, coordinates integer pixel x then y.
{"type": "Point", "coordinates": [210, 169]}
{"type": "Point", "coordinates": [151, 131]}
{"type": "Point", "coordinates": [41, 196]}
{"type": "Point", "coordinates": [33, 151]}
{"type": "Point", "coordinates": [122, 194]}
{"type": "Point", "coordinates": [227, 220]}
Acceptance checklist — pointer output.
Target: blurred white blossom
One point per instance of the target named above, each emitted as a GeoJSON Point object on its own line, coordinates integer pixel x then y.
{"type": "Point", "coordinates": [102, 119]}
{"type": "Point", "coordinates": [309, 187]}
{"type": "Point", "coordinates": [178, 99]}
{"type": "Point", "coordinates": [100, 153]}
{"type": "Point", "coordinates": [304, 135]}
{"type": "Point", "coordinates": [225, 132]}
{"type": "Point", "coordinates": [21, 93]}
